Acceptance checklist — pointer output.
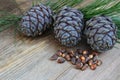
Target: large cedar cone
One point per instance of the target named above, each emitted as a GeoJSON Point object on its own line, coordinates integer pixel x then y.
{"type": "Point", "coordinates": [68, 26]}
{"type": "Point", "coordinates": [100, 32]}
{"type": "Point", "coordinates": [36, 20]}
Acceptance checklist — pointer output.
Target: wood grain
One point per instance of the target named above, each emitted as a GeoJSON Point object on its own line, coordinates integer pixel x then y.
{"type": "Point", "coordinates": [25, 58]}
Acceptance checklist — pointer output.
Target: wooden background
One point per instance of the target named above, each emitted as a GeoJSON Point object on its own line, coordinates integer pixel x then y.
{"type": "Point", "coordinates": [24, 58]}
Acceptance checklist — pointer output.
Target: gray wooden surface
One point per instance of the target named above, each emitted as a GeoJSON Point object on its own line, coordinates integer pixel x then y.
{"type": "Point", "coordinates": [23, 58]}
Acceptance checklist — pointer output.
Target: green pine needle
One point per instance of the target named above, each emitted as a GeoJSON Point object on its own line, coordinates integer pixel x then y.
{"type": "Point", "coordinates": [101, 7]}
{"type": "Point", "coordinates": [56, 5]}
{"type": "Point", "coordinates": [7, 20]}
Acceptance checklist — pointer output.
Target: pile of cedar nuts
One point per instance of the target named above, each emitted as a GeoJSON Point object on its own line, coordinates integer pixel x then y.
{"type": "Point", "coordinates": [82, 59]}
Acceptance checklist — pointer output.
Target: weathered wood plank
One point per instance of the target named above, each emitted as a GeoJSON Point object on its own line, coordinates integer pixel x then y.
{"type": "Point", "coordinates": [29, 59]}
